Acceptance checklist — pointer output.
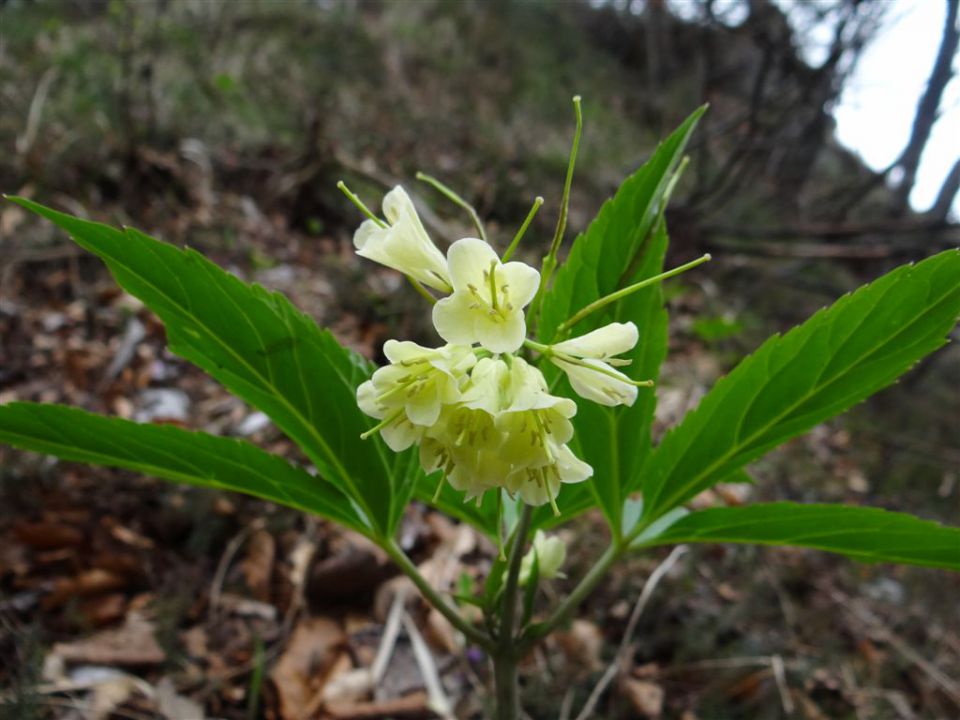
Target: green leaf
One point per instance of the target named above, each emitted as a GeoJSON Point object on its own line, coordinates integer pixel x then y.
{"type": "Point", "coordinates": [263, 350]}
{"type": "Point", "coordinates": [834, 360]}
{"type": "Point", "coordinates": [167, 452]}
{"type": "Point", "coordinates": [865, 534]}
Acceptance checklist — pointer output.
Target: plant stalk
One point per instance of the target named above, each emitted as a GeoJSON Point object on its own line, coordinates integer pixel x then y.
{"type": "Point", "coordinates": [505, 639]}
{"type": "Point", "coordinates": [505, 657]}
{"type": "Point", "coordinates": [573, 600]}
{"type": "Point", "coordinates": [506, 687]}
{"type": "Point", "coordinates": [472, 633]}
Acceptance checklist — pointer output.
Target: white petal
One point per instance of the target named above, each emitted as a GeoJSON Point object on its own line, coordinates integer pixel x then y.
{"type": "Point", "coordinates": [522, 282]}
{"type": "Point", "coordinates": [528, 388]}
{"type": "Point", "coordinates": [453, 319]}
{"type": "Point", "coordinates": [467, 259]}
{"type": "Point", "coordinates": [533, 493]}
{"type": "Point", "coordinates": [571, 468]}
{"type": "Point", "coordinates": [500, 335]}
{"type": "Point", "coordinates": [599, 386]}
{"type": "Point", "coordinates": [457, 359]}
{"type": "Point", "coordinates": [610, 340]}
{"type": "Point", "coordinates": [366, 400]}
{"type": "Point", "coordinates": [561, 429]}
{"type": "Point", "coordinates": [398, 351]}
{"type": "Point", "coordinates": [400, 435]}
{"type": "Point", "coordinates": [423, 408]}
{"type": "Point", "coordinates": [486, 382]}
{"type": "Point", "coordinates": [398, 206]}
{"type": "Point", "coordinates": [367, 232]}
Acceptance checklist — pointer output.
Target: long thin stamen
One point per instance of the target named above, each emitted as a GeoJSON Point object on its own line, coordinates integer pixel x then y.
{"type": "Point", "coordinates": [456, 200]}
{"type": "Point", "coordinates": [359, 203]}
{"type": "Point", "coordinates": [603, 370]}
{"type": "Point", "coordinates": [550, 261]}
{"type": "Point", "coordinates": [552, 496]}
{"type": "Point", "coordinates": [630, 289]}
{"type": "Point", "coordinates": [436, 493]}
{"type": "Point", "coordinates": [399, 387]}
{"type": "Point", "coordinates": [538, 201]}
{"type": "Point", "coordinates": [382, 424]}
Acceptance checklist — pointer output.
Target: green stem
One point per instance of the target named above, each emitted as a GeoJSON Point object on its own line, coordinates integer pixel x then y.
{"type": "Point", "coordinates": [623, 292]}
{"type": "Point", "coordinates": [523, 229]}
{"type": "Point", "coordinates": [505, 656]}
{"type": "Point", "coordinates": [506, 687]}
{"type": "Point", "coordinates": [566, 609]}
{"type": "Point", "coordinates": [513, 578]}
{"type": "Point", "coordinates": [456, 200]}
{"type": "Point", "coordinates": [355, 199]}
{"type": "Point", "coordinates": [550, 261]}
{"type": "Point", "coordinates": [475, 635]}
{"type": "Point", "coordinates": [418, 286]}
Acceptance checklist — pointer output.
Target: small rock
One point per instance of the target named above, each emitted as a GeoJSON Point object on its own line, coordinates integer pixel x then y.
{"type": "Point", "coordinates": [885, 590]}
{"type": "Point", "coordinates": [645, 696]}
{"type": "Point", "coordinates": [163, 404]}
{"type": "Point", "coordinates": [253, 423]}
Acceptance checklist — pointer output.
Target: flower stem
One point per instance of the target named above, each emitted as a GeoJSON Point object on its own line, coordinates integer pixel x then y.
{"type": "Point", "coordinates": [504, 656]}
{"type": "Point", "coordinates": [456, 200]}
{"type": "Point", "coordinates": [355, 199]}
{"type": "Point", "coordinates": [513, 577]}
{"type": "Point", "coordinates": [506, 687]}
{"type": "Point", "coordinates": [550, 261]}
{"type": "Point", "coordinates": [573, 600]}
{"type": "Point", "coordinates": [418, 286]}
{"type": "Point", "coordinates": [623, 292]}
{"type": "Point", "coordinates": [523, 229]}
{"type": "Point", "coordinates": [405, 564]}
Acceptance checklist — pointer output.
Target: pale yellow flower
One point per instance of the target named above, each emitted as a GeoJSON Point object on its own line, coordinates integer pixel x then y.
{"type": "Point", "coordinates": [551, 553]}
{"type": "Point", "coordinates": [532, 421]}
{"type": "Point", "coordinates": [488, 298]}
{"type": "Point", "coordinates": [541, 485]}
{"type": "Point", "coordinates": [408, 394]}
{"type": "Point", "coordinates": [404, 244]}
{"type": "Point", "coordinates": [464, 444]}
{"type": "Point", "coordinates": [587, 362]}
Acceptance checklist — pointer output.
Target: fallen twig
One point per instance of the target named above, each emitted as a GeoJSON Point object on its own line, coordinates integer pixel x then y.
{"type": "Point", "coordinates": [624, 650]}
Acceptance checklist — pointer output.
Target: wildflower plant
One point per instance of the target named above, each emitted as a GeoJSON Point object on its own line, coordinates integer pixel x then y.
{"type": "Point", "coordinates": [535, 404]}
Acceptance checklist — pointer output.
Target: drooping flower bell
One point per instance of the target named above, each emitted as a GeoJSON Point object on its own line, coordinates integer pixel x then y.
{"type": "Point", "coordinates": [533, 422]}
{"type": "Point", "coordinates": [541, 485]}
{"type": "Point", "coordinates": [403, 244]}
{"type": "Point", "coordinates": [587, 360]}
{"type": "Point", "coordinates": [488, 298]}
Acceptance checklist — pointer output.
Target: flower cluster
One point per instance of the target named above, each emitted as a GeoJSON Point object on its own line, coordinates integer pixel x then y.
{"type": "Point", "coordinates": [479, 411]}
